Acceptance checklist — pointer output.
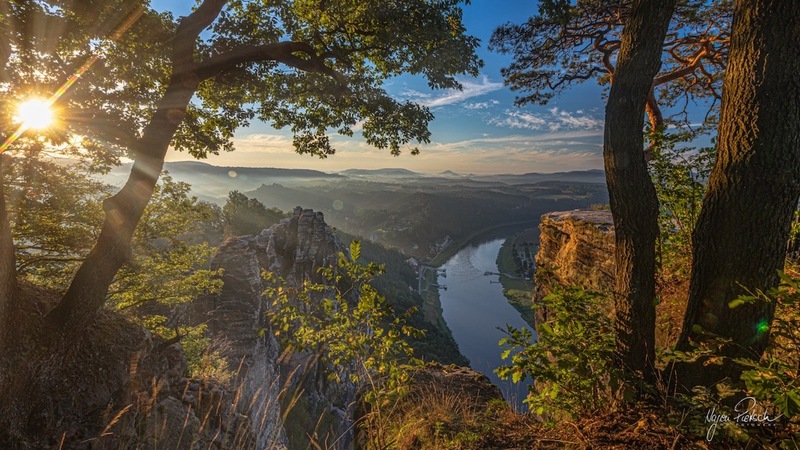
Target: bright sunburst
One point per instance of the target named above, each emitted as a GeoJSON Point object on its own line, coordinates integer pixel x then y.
{"type": "Point", "coordinates": [34, 113]}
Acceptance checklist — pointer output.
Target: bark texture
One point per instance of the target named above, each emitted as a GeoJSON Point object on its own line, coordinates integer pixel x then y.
{"type": "Point", "coordinates": [8, 270]}
{"type": "Point", "coordinates": [89, 287]}
{"type": "Point", "coordinates": [88, 290]}
{"type": "Point", "coordinates": [634, 204]}
{"type": "Point", "coordinates": [741, 234]}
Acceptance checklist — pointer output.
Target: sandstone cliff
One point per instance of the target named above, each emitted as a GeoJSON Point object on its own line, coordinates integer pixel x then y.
{"type": "Point", "coordinates": [576, 248]}
{"type": "Point", "coordinates": [293, 249]}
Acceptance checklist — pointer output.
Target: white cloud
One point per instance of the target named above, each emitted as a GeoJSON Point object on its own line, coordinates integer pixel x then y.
{"type": "Point", "coordinates": [481, 105]}
{"type": "Point", "coordinates": [519, 119]}
{"type": "Point", "coordinates": [263, 142]}
{"type": "Point", "coordinates": [470, 88]}
{"type": "Point", "coordinates": [556, 120]}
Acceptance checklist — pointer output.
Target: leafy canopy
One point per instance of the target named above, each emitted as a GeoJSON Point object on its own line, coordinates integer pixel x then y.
{"type": "Point", "coordinates": [312, 66]}
{"type": "Point", "coordinates": [242, 215]}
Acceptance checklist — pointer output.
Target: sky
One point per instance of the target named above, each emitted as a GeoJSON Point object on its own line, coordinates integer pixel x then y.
{"type": "Point", "coordinates": [475, 130]}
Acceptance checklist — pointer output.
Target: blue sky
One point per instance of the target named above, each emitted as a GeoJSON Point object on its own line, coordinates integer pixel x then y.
{"type": "Point", "coordinates": [476, 130]}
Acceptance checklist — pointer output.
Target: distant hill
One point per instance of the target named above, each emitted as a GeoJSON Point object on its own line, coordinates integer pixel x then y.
{"type": "Point", "coordinates": [584, 176]}
{"type": "Point", "coordinates": [449, 173]}
{"type": "Point", "coordinates": [212, 183]}
{"type": "Point", "coordinates": [389, 172]}
{"type": "Point", "coordinates": [198, 167]}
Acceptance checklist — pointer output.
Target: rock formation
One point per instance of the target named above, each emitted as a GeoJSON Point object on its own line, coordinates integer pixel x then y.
{"type": "Point", "coordinates": [576, 248]}
{"type": "Point", "coordinates": [293, 250]}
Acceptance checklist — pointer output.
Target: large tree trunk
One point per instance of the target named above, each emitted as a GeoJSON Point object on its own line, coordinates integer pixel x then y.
{"type": "Point", "coordinates": [741, 234]}
{"type": "Point", "coordinates": [89, 288]}
{"type": "Point", "coordinates": [634, 204]}
{"type": "Point", "coordinates": [8, 266]}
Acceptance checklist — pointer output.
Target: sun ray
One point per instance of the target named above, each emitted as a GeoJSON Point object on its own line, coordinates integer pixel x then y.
{"type": "Point", "coordinates": [122, 28]}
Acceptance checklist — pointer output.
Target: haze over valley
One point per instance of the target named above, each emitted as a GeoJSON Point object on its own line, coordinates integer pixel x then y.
{"type": "Point", "coordinates": [420, 214]}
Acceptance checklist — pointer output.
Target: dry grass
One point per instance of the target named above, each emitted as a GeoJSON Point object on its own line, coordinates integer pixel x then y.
{"type": "Point", "coordinates": [441, 413]}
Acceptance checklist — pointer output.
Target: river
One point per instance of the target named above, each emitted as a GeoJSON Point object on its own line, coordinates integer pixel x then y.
{"type": "Point", "coordinates": [474, 307]}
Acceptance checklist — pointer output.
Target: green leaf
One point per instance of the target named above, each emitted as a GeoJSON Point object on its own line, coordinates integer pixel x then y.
{"type": "Point", "coordinates": [355, 250]}
{"type": "Point", "coordinates": [736, 303]}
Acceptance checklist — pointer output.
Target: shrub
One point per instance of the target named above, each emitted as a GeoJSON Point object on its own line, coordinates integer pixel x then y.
{"type": "Point", "coordinates": [348, 324]}
{"type": "Point", "coordinates": [571, 364]}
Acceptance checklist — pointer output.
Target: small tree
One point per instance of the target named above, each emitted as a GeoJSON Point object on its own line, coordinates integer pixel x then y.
{"type": "Point", "coordinates": [347, 323]}
{"type": "Point", "coordinates": [242, 215]}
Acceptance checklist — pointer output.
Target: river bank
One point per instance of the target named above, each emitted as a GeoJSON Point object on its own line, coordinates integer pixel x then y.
{"type": "Point", "coordinates": [476, 310]}
{"type": "Point", "coordinates": [482, 235]}
{"type": "Point", "coordinates": [515, 265]}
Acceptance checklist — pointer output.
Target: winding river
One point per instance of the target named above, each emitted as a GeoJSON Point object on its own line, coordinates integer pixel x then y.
{"type": "Point", "coordinates": [474, 307]}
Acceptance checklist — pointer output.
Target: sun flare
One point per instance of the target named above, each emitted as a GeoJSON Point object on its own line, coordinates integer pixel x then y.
{"type": "Point", "coordinates": [35, 113]}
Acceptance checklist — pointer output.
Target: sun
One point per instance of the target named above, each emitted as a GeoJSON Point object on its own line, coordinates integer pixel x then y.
{"type": "Point", "coordinates": [34, 113]}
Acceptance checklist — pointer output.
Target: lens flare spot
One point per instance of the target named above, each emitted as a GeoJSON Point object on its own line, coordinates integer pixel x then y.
{"type": "Point", "coordinates": [34, 113]}
{"type": "Point", "coordinates": [762, 327]}
{"type": "Point", "coordinates": [338, 205]}
{"type": "Point", "coordinates": [232, 174]}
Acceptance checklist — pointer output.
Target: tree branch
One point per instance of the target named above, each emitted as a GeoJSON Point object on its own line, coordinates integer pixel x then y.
{"type": "Point", "coordinates": [282, 52]}
{"type": "Point", "coordinates": [188, 31]}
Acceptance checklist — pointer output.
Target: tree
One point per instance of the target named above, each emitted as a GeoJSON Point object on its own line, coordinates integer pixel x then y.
{"type": "Point", "coordinates": [634, 204]}
{"type": "Point", "coordinates": [753, 190]}
{"type": "Point", "coordinates": [55, 211]}
{"type": "Point", "coordinates": [44, 45]}
{"type": "Point", "coordinates": [571, 42]}
{"type": "Point", "coordinates": [312, 66]}
{"type": "Point", "coordinates": [739, 241]}
{"type": "Point", "coordinates": [243, 215]}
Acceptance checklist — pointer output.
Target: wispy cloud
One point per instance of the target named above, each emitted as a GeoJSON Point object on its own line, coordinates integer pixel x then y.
{"type": "Point", "coordinates": [548, 152]}
{"type": "Point", "coordinates": [481, 105]}
{"type": "Point", "coordinates": [470, 88]}
{"type": "Point", "coordinates": [556, 120]}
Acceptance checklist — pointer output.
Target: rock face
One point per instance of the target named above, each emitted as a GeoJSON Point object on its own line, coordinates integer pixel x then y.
{"type": "Point", "coordinates": [293, 250]}
{"type": "Point", "coordinates": [576, 248]}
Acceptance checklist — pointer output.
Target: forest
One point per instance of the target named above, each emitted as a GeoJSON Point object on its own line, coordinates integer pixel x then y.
{"type": "Point", "coordinates": [140, 311]}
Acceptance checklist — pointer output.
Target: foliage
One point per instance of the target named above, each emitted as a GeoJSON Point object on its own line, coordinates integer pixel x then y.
{"type": "Point", "coordinates": [204, 358]}
{"type": "Point", "coordinates": [569, 42]}
{"type": "Point", "coordinates": [55, 211]}
{"type": "Point", "coordinates": [327, 73]}
{"type": "Point", "coordinates": [773, 381]}
{"type": "Point", "coordinates": [679, 175]}
{"type": "Point", "coordinates": [346, 322]}
{"type": "Point", "coordinates": [247, 216]}
{"type": "Point", "coordinates": [45, 42]}
{"type": "Point", "coordinates": [436, 342]}
{"type": "Point", "coordinates": [167, 272]}
{"type": "Point", "coordinates": [570, 365]}
{"type": "Point", "coordinates": [775, 378]}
